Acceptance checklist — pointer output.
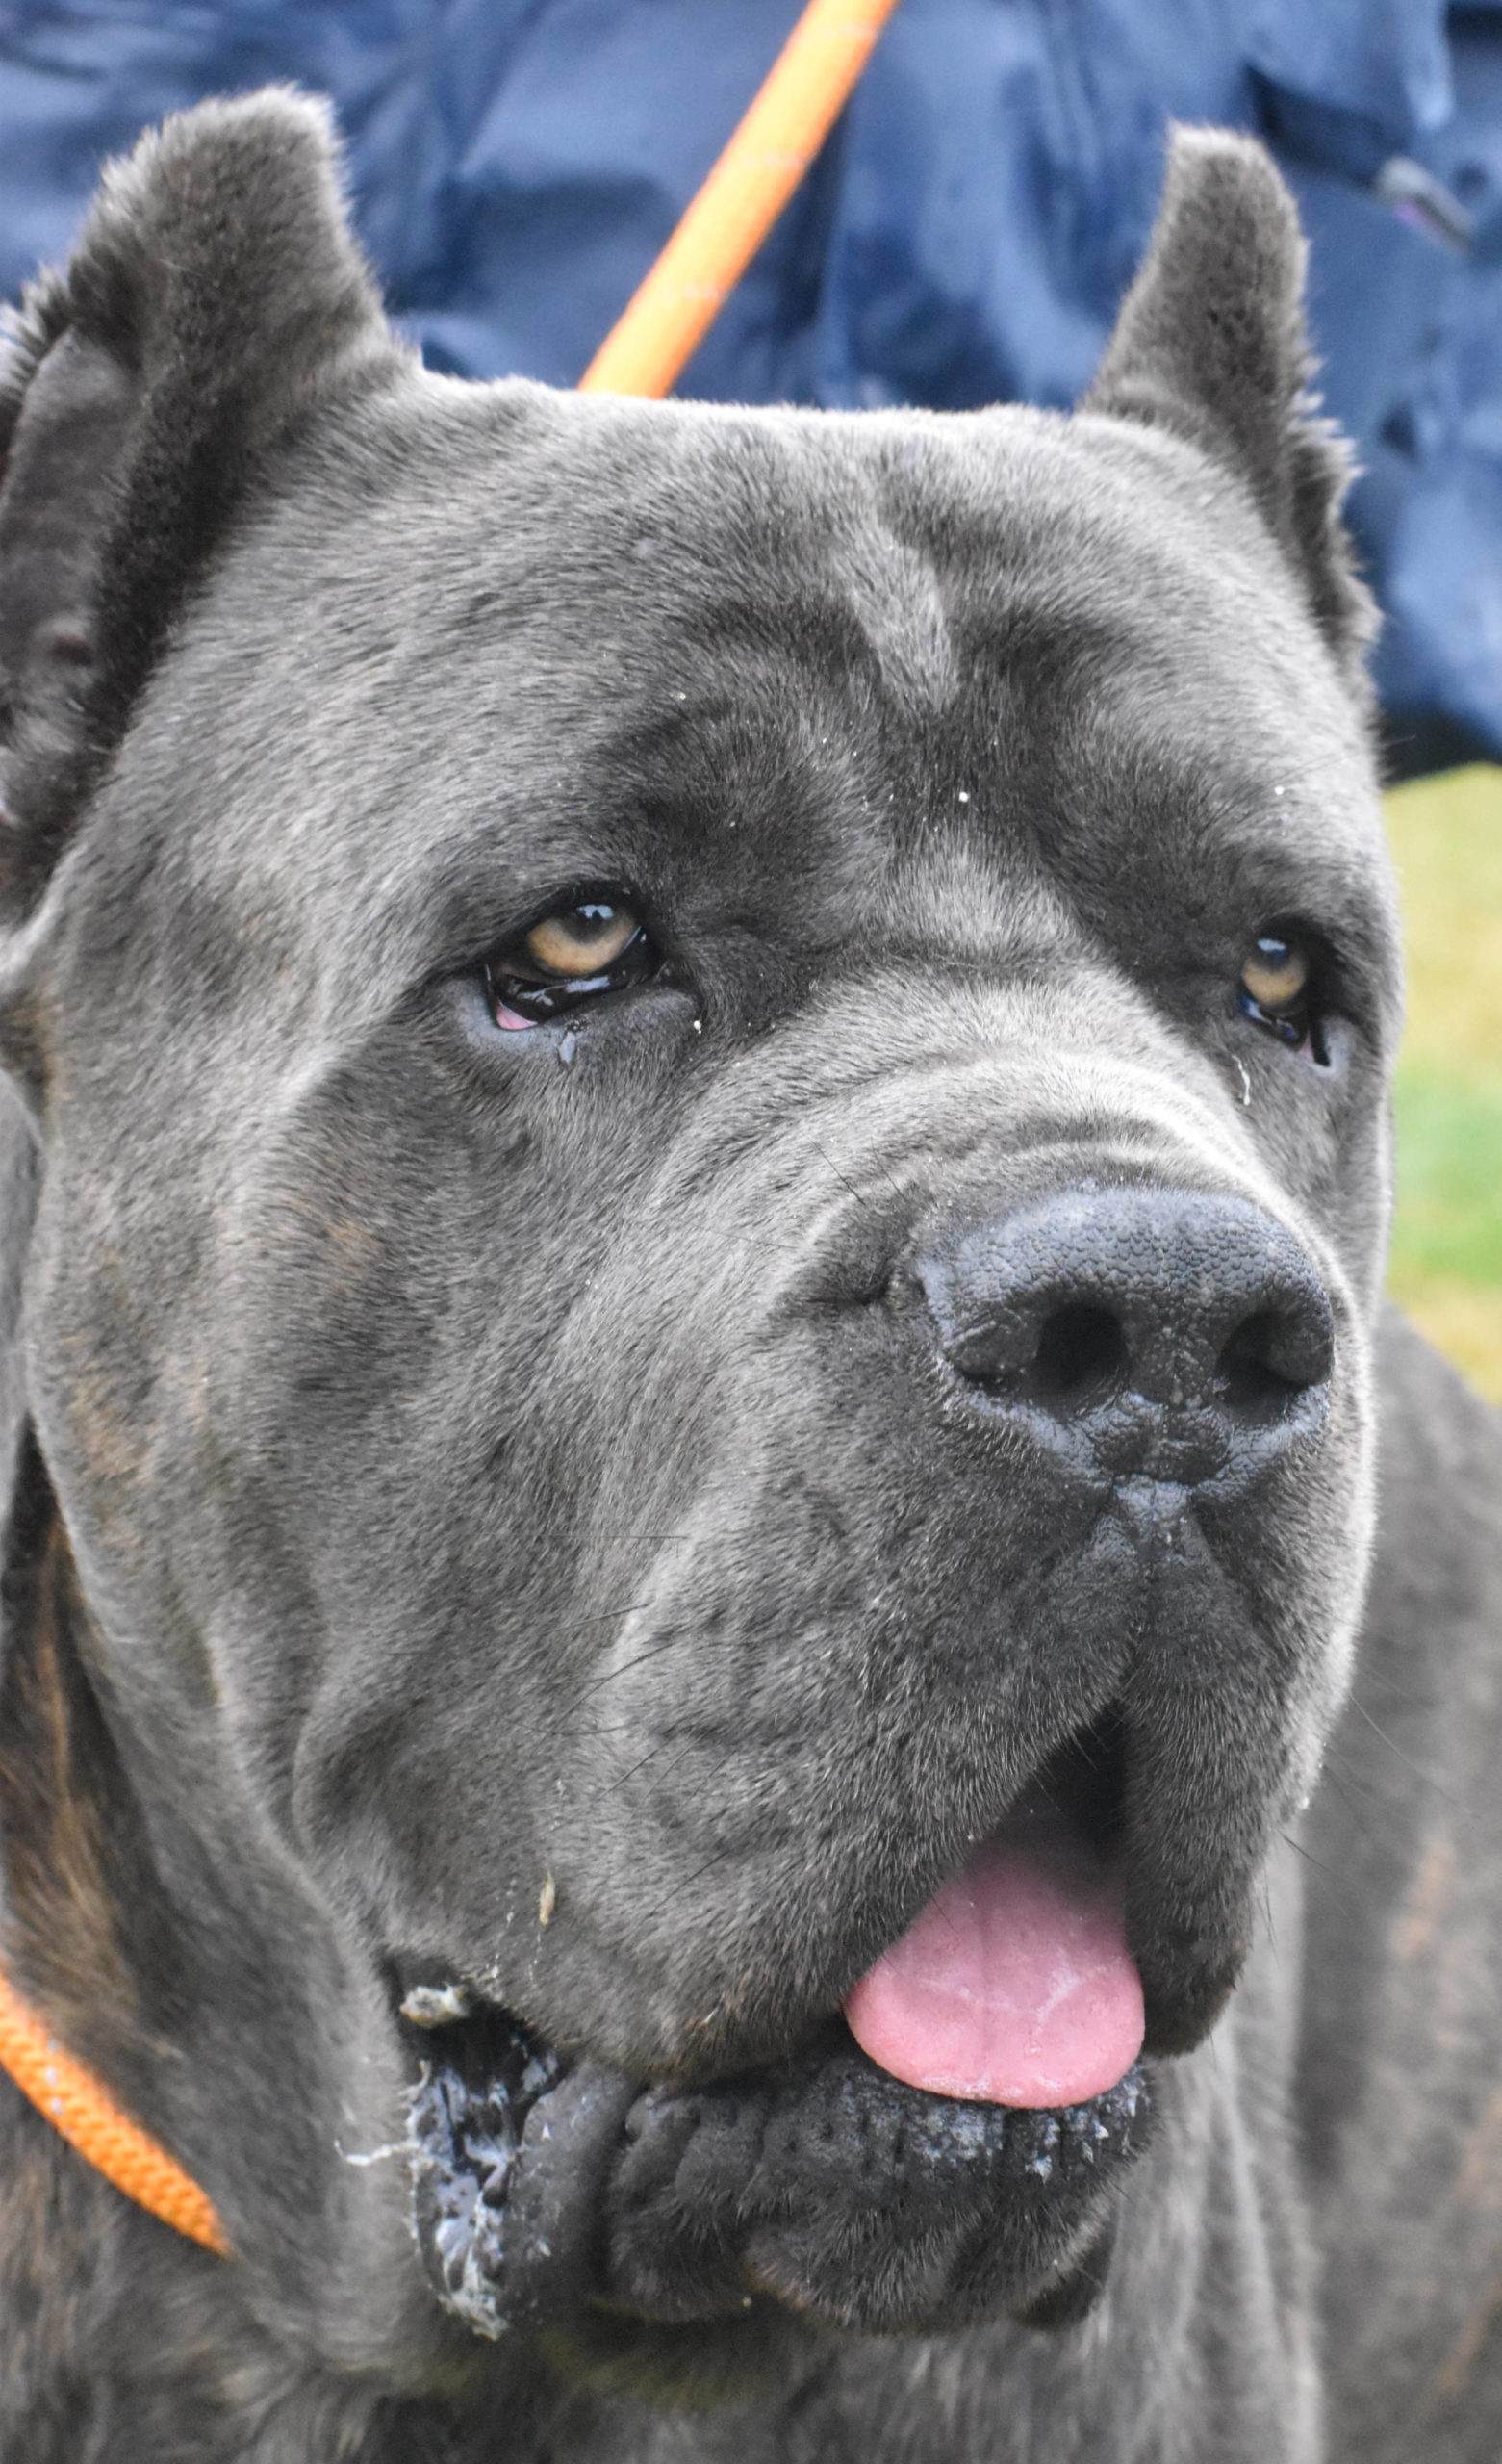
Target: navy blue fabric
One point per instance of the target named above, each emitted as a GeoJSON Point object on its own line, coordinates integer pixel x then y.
{"type": "Point", "coordinates": [515, 165]}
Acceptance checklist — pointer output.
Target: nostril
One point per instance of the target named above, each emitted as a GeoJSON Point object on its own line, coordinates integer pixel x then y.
{"type": "Point", "coordinates": [1269, 1363]}
{"type": "Point", "coordinates": [1081, 1350]}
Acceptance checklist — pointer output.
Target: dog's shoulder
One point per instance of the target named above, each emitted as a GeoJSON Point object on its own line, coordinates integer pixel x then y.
{"type": "Point", "coordinates": [1402, 2092]}
{"type": "Point", "coordinates": [81, 2270]}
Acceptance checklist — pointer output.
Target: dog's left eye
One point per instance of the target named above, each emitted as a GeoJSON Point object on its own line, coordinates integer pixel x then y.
{"type": "Point", "coordinates": [596, 945]}
{"type": "Point", "coordinates": [1280, 988]}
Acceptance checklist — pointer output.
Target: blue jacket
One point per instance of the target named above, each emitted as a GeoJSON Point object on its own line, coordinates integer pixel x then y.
{"type": "Point", "coordinates": [964, 237]}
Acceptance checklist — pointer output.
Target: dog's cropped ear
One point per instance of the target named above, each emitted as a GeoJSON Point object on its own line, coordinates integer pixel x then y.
{"type": "Point", "coordinates": [214, 299]}
{"type": "Point", "coordinates": [1211, 342]}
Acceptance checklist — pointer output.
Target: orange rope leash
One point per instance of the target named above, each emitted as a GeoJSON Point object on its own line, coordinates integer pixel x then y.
{"type": "Point", "coordinates": [726, 222]}
{"type": "Point", "coordinates": [78, 2105]}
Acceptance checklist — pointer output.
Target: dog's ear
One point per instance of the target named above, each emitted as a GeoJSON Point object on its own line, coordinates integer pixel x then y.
{"type": "Point", "coordinates": [214, 299]}
{"type": "Point", "coordinates": [1211, 342]}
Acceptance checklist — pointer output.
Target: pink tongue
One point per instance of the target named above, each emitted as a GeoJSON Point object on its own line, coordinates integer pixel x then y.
{"type": "Point", "coordinates": [1015, 1985]}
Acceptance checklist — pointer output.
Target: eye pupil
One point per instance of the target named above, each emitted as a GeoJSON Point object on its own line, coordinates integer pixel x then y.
{"type": "Point", "coordinates": [586, 923]}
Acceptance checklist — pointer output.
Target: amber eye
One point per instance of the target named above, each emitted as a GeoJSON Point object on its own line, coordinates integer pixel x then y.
{"type": "Point", "coordinates": [1281, 989]}
{"type": "Point", "coordinates": [596, 945]}
{"type": "Point", "coordinates": [585, 941]}
{"type": "Point", "coordinates": [1276, 973]}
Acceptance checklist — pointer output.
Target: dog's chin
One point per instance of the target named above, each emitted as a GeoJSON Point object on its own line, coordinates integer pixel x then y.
{"type": "Point", "coordinates": [562, 2197]}
{"type": "Point", "coordinates": [816, 2190]}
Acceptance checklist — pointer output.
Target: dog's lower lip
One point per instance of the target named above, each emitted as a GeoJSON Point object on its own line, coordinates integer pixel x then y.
{"type": "Point", "coordinates": [538, 2183]}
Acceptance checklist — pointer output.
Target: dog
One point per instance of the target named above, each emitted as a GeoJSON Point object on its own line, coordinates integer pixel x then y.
{"type": "Point", "coordinates": [741, 1681]}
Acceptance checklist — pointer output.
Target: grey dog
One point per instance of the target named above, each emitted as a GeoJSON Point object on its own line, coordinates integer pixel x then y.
{"type": "Point", "coordinates": [696, 1193]}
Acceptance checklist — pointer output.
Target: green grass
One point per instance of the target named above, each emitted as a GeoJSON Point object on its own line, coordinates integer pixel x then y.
{"type": "Point", "coordinates": [1449, 1218]}
{"type": "Point", "coordinates": [1446, 1263]}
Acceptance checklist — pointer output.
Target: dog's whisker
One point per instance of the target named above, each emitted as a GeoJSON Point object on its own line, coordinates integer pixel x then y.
{"type": "Point", "coordinates": [1355, 1787]}
{"type": "Point", "coordinates": [1375, 1681]}
{"type": "Point", "coordinates": [609, 1616]}
{"type": "Point", "coordinates": [623, 1778]}
{"type": "Point", "coordinates": [599, 1678]}
{"type": "Point", "coordinates": [654, 1748]}
{"type": "Point", "coordinates": [1418, 1768]}
{"type": "Point", "coordinates": [845, 1182]}
{"type": "Point", "coordinates": [1321, 1866]}
{"type": "Point", "coordinates": [688, 1883]}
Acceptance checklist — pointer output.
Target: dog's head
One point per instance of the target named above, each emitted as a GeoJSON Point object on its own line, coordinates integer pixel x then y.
{"type": "Point", "coordinates": [709, 1186]}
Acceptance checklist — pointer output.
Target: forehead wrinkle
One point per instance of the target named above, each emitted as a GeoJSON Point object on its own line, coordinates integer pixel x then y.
{"type": "Point", "coordinates": [893, 590]}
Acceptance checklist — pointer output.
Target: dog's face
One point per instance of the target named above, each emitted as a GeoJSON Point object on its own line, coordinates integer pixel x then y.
{"type": "Point", "coordinates": [714, 1158]}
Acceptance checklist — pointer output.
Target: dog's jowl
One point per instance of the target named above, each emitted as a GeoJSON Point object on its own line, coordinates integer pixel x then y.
{"type": "Point", "coordinates": [738, 1685]}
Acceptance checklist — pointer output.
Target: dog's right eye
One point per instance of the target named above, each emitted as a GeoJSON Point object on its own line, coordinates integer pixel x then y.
{"type": "Point", "coordinates": [1281, 989]}
{"type": "Point", "coordinates": [578, 952]}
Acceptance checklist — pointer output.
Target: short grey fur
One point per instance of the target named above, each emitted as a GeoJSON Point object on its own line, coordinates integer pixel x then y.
{"type": "Point", "coordinates": [557, 1547]}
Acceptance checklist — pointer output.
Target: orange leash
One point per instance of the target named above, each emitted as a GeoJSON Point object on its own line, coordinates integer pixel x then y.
{"type": "Point", "coordinates": [727, 221]}
{"type": "Point", "coordinates": [644, 353]}
{"type": "Point", "coordinates": [81, 2108]}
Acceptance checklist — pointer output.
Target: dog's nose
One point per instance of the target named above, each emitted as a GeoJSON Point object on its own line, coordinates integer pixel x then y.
{"type": "Point", "coordinates": [1164, 1331]}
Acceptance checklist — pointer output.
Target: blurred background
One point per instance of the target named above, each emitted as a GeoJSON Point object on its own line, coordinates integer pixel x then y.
{"type": "Point", "coordinates": [964, 236]}
{"type": "Point", "coordinates": [1446, 1261]}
